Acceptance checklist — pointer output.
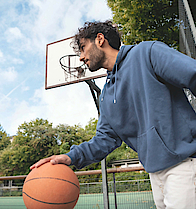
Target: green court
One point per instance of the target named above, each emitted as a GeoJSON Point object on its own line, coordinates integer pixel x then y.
{"type": "Point", "coordinates": [129, 200]}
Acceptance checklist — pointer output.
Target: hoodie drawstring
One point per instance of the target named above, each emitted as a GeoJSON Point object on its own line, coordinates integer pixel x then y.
{"type": "Point", "coordinates": [120, 57]}
{"type": "Point", "coordinates": [103, 91]}
{"type": "Point", "coordinates": [115, 84]}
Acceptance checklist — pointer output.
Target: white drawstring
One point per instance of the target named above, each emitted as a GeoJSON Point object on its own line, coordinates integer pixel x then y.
{"type": "Point", "coordinates": [115, 84]}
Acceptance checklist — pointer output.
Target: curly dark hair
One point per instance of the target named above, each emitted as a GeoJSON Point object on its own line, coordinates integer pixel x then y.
{"type": "Point", "coordinates": [91, 29]}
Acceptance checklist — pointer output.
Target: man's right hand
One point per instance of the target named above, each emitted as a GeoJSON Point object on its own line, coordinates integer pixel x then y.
{"type": "Point", "coordinates": [55, 159]}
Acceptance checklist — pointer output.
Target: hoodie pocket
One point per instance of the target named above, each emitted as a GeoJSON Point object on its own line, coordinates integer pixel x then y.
{"type": "Point", "coordinates": [153, 153]}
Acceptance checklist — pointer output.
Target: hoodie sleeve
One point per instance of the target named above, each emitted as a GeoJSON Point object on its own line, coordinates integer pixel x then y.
{"type": "Point", "coordinates": [174, 67]}
{"type": "Point", "coordinates": [97, 148]}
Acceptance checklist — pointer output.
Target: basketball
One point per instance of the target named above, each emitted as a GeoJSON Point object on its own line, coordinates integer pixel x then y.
{"type": "Point", "coordinates": [51, 187]}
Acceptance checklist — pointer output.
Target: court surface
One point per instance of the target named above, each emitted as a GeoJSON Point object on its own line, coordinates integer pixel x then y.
{"type": "Point", "coordinates": [133, 200]}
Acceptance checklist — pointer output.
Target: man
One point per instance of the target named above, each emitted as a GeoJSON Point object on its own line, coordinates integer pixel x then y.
{"type": "Point", "coordinates": [144, 105]}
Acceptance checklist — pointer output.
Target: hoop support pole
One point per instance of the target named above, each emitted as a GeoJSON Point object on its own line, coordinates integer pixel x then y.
{"type": "Point", "coordinates": [94, 88]}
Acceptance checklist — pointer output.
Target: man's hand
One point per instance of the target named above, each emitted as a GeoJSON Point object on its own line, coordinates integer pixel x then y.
{"type": "Point", "coordinates": [55, 159]}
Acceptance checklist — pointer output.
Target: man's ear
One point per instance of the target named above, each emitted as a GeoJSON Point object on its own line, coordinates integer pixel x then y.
{"type": "Point", "coordinates": [100, 39]}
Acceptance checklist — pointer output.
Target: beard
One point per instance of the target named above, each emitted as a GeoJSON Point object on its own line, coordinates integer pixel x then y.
{"type": "Point", "coordinates": [96, 57]}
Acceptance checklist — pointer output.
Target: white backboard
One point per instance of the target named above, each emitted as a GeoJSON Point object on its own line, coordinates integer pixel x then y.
{"type": "Point", "coordinates": [55, 75]}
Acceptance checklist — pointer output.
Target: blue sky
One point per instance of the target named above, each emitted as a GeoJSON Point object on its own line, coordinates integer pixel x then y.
{"type": "Point", "coordinates": [26, 27]}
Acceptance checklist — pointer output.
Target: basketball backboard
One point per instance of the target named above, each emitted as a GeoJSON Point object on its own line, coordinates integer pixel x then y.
{"type": "Point", "coordinates": [56, 75]}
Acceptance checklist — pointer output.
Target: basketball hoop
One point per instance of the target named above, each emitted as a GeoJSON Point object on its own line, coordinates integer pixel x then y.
{"type": "Point", "coordinates": [72, 66]}
{"type": "Point", "coordinates": [63, 65]}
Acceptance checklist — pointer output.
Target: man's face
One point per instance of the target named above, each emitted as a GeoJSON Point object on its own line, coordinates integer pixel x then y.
{"type": "Point", "coordinates": [91, 55]}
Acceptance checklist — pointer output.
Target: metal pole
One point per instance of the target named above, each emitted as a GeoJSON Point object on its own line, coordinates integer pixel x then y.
{"type": "Point", "coordinates": [94, 88]}
{"type": "Point", "coordinates": [191, 21]}
{"type": "Point", "coordinates": [105, 184]}
{"type": "Point", "coordinates": [115, 199]}
{"type": "Point", "coordinates": [185, 42]}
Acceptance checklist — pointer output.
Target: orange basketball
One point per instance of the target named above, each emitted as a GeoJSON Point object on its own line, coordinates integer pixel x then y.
{"type": "Point", "coordinates": [51, 187]}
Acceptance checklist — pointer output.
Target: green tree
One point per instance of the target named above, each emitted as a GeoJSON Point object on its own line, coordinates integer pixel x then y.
{"type": "Point", "coordinates": [68, 136]}
{"type": "Point", "coordinates": [90, 128]}
{"type": "Point", "coordinates": [121, 153]}
{"type": "Point", "coordinates": [75, 135]}
{"type": "Point", "coordinates": [142, 20]}
{"type": "Point", "coordinates": [34, 141]}
{"type": "Point", "coordinates": [4, 139]}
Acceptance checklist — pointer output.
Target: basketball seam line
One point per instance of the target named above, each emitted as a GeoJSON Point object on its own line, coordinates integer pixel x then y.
{"type": "Point", "coordinates": [50, 203]}
{"type": "Point", "coordinates": [52, 178]}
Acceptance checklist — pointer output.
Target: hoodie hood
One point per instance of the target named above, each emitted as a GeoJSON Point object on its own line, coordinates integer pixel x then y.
{"type": "Point", "coordinates": [121, 56]}
{"type": "Point", "coordinates": [114, 73]}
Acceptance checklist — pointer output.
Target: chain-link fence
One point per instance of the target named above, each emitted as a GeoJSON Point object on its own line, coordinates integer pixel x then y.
{"type": "Point", "coordinates": [129, 190]}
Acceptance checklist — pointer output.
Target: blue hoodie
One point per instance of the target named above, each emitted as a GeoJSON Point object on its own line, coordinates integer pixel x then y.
{"type": "Point", "coordinates": [144, 105]}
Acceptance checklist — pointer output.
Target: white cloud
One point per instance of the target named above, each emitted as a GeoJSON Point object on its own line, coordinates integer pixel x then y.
{"type": "Point", "coordinates": [2, 57]}
{"type": "Point", "coordinates": [71, 104]}
{"type": "Point", "coordinates": [99, 11]}
{"type": "Point", "coordinates": [8, 59]}
{"type": "Point", "coordinates": [1, 54]}
{"type": "Point", "coordinates": [23, 111]}
{"type": "Point", "coordinates": [28, 25]}
{"type": "Point", "coordinates": [24, 88]}
{"type": "Point", "coordinates": [17, 61]}
{"type": "Point", "coordinates": [61, 20]}
{"type": "Point", "coordinates": [4, 104]}
{"type": "Point", "coordinates": [66, 105]}
{"type": "Point", "coordinates": [8, 75]}
{"type": "Point", "coordinates": [12, 34]}
{"type": "Point", "coordinates": [18, 42]}
{"type": "Point", "coordinates": [47, 21]}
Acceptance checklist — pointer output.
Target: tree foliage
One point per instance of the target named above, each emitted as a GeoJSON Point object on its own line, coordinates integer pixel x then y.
{"type": "Point", "coordinates": [34, 140]}
{"type": "Point", "coordinates": [68, 136]}
{"type": "Point", "coordinates": [142, 20]}
{"type": "Point", "coordinates": [38, 139]}
{"type": "Point", "coordinates": [74, 135]}
{"type": "Point", "coordinates": [122, 153]}
{"type": "Point", "coordinates": [4, 139]}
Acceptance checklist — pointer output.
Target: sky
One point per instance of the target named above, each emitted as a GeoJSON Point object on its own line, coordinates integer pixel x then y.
{"type": "Point", "coordinates": [26, 27]}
